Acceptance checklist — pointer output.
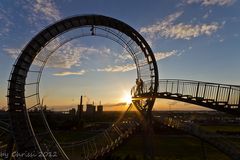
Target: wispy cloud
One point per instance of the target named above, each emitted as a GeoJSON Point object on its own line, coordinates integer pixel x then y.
{"type": "Point", "coordinates": [70, 55]}
{"type": "Point", "coordinates": [207, 14]}
{"type": "Point", "coordinates": [211, 2]}
{"type": "Point", "coordinates": [40, 12]}
{"type": "Point", "coordinates": [70, 73]}
{"type": "Point", "coordinates": [118, 68]}
{"type": "Point", "coordinates": [163, 55]}
{"type": "Point", "coordinates": [122, 66]}
{"type": "Point", "coordinates": [74, 55]}
{"type": "Point", "coordinates": [46, 8]}
{"type": "Point", "coordinates": [168, 29]}
{"type": "Point", "coordinates": [132, 66]}
{"type": "Point", "coordinates": [12, 52]}
{"type": "Point", "coordinates": [5, 22]}
{"type": "Point", "coordinates": [67, 56]}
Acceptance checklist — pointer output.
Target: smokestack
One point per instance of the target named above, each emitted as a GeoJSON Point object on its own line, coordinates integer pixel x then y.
{"type": "Point", "coordinates": [81, 100]}
{"type": "Point", "coordinates": [80, 109]}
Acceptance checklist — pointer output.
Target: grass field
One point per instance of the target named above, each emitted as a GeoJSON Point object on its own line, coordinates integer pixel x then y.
{"type": "Point", "coordinates": [226, 128]}
{"type": "Point", "coordinates": [171, 148]}
{"type": "Point", "coordinates": [69, 136]}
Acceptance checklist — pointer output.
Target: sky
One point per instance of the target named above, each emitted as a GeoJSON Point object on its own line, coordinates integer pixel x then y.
{"type": "Point", "coordinates": [191, 39]}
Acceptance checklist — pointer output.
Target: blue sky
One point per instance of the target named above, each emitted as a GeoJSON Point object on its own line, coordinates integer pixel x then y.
{"type": "Point", "coordinates": [192, 39]}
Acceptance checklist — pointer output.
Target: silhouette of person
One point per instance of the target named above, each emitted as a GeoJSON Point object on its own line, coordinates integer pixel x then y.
{"type": "Point", "coordinates": [141, 85]}
{"type": "Point", "coordinates": [137, 87]}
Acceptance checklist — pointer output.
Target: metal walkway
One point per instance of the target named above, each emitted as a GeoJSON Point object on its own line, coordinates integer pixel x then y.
{"type": "Point", "coordinates": [105, 142]}
{"type": "Point", "coordinates": [221, 97]}
{"type": "Point", "coordinates": [96, 146]}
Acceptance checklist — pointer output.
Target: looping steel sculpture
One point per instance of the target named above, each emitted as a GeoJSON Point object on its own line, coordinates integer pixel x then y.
{"type": "Point", "coordinates": [35, 55]}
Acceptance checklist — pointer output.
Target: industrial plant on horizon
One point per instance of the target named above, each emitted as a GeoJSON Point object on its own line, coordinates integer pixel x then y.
{"type": "Point", "coordinates": [90, 108]}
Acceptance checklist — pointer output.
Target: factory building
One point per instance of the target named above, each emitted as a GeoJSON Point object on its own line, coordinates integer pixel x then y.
{"type": "Point", "coordinates": [100, 108]}
{"type": "Point", "coordinates": [72, 111]}
{"type": "Point", "coordinates": [91, 109]}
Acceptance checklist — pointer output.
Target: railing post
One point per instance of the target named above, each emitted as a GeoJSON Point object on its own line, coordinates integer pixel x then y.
{"type": "Point", "coordinates": [230, 88]}
{"type": "Point", "coordinates": [183, 88]}
{"type": "Point", "coordinates": [197, 90]}
{"type": "Point", "coordinates": [166, 85]}
{"type": "Point", "coordinates": [204, 91]}
{"type": "Point", "coordinates": [217, 92]}
{"type": "Point", "coordinates": [172, 88]}
{"type": "Point", "coordinates": [177, 85]}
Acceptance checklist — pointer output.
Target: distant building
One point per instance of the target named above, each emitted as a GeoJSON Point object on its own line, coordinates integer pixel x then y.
{"type": "Point", "coordinates": [100, 108]}
{"type": "Point", "coordinates": [90, 109]}
{"type": "Point", "coordinates": [72, 111]}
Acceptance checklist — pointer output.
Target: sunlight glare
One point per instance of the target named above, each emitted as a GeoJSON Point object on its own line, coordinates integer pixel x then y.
{"type": "Point", "coordinates": [127, 98]}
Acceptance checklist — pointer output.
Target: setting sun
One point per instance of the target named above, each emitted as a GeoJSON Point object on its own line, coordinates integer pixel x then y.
{"type": "Point", "coordinates": [127, 98]}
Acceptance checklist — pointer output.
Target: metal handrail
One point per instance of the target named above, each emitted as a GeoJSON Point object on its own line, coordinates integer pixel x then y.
{"type": "Point", "coordinates": [227, 95]}
{"type": "Point", "coordinates": [230, 94]}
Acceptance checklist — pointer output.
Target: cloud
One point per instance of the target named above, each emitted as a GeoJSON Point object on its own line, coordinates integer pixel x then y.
{"type": "Point", "coordinates": [66, 56]}
{"type": "Point", "coordinates": [132, 66]}
{"type": "Point", "coordinates": [221, 40]}
{"type": "Point", "coordinates": [236, 35]}
{"type": "Point", "coordinates": [40, 12]}
{"type": "Point", "coordinates": [118, 68]}
{"type": "Point", "coordinates": [46, 8]}
{"type": "Point", "coordinates": [5, 22]}
{"type": "Point", "coordinates": [211, 2]}
{"type": "Point", "coordinates": [70, 73]}
{"type": "Point", "coordinates": [207, 14]}
{"type": "Point", "coordinates": [160, 26]}
{"type": "Point", "coordinates": [121, 59]}
{"type": "Point", "coordinates": [163, 55]}
{"type": "Point", "coordinates": [70, 55]}
{"type": "Point", "coordinates": [12, 52]}
{"type": "Point", "coordinates": [168, 29]}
